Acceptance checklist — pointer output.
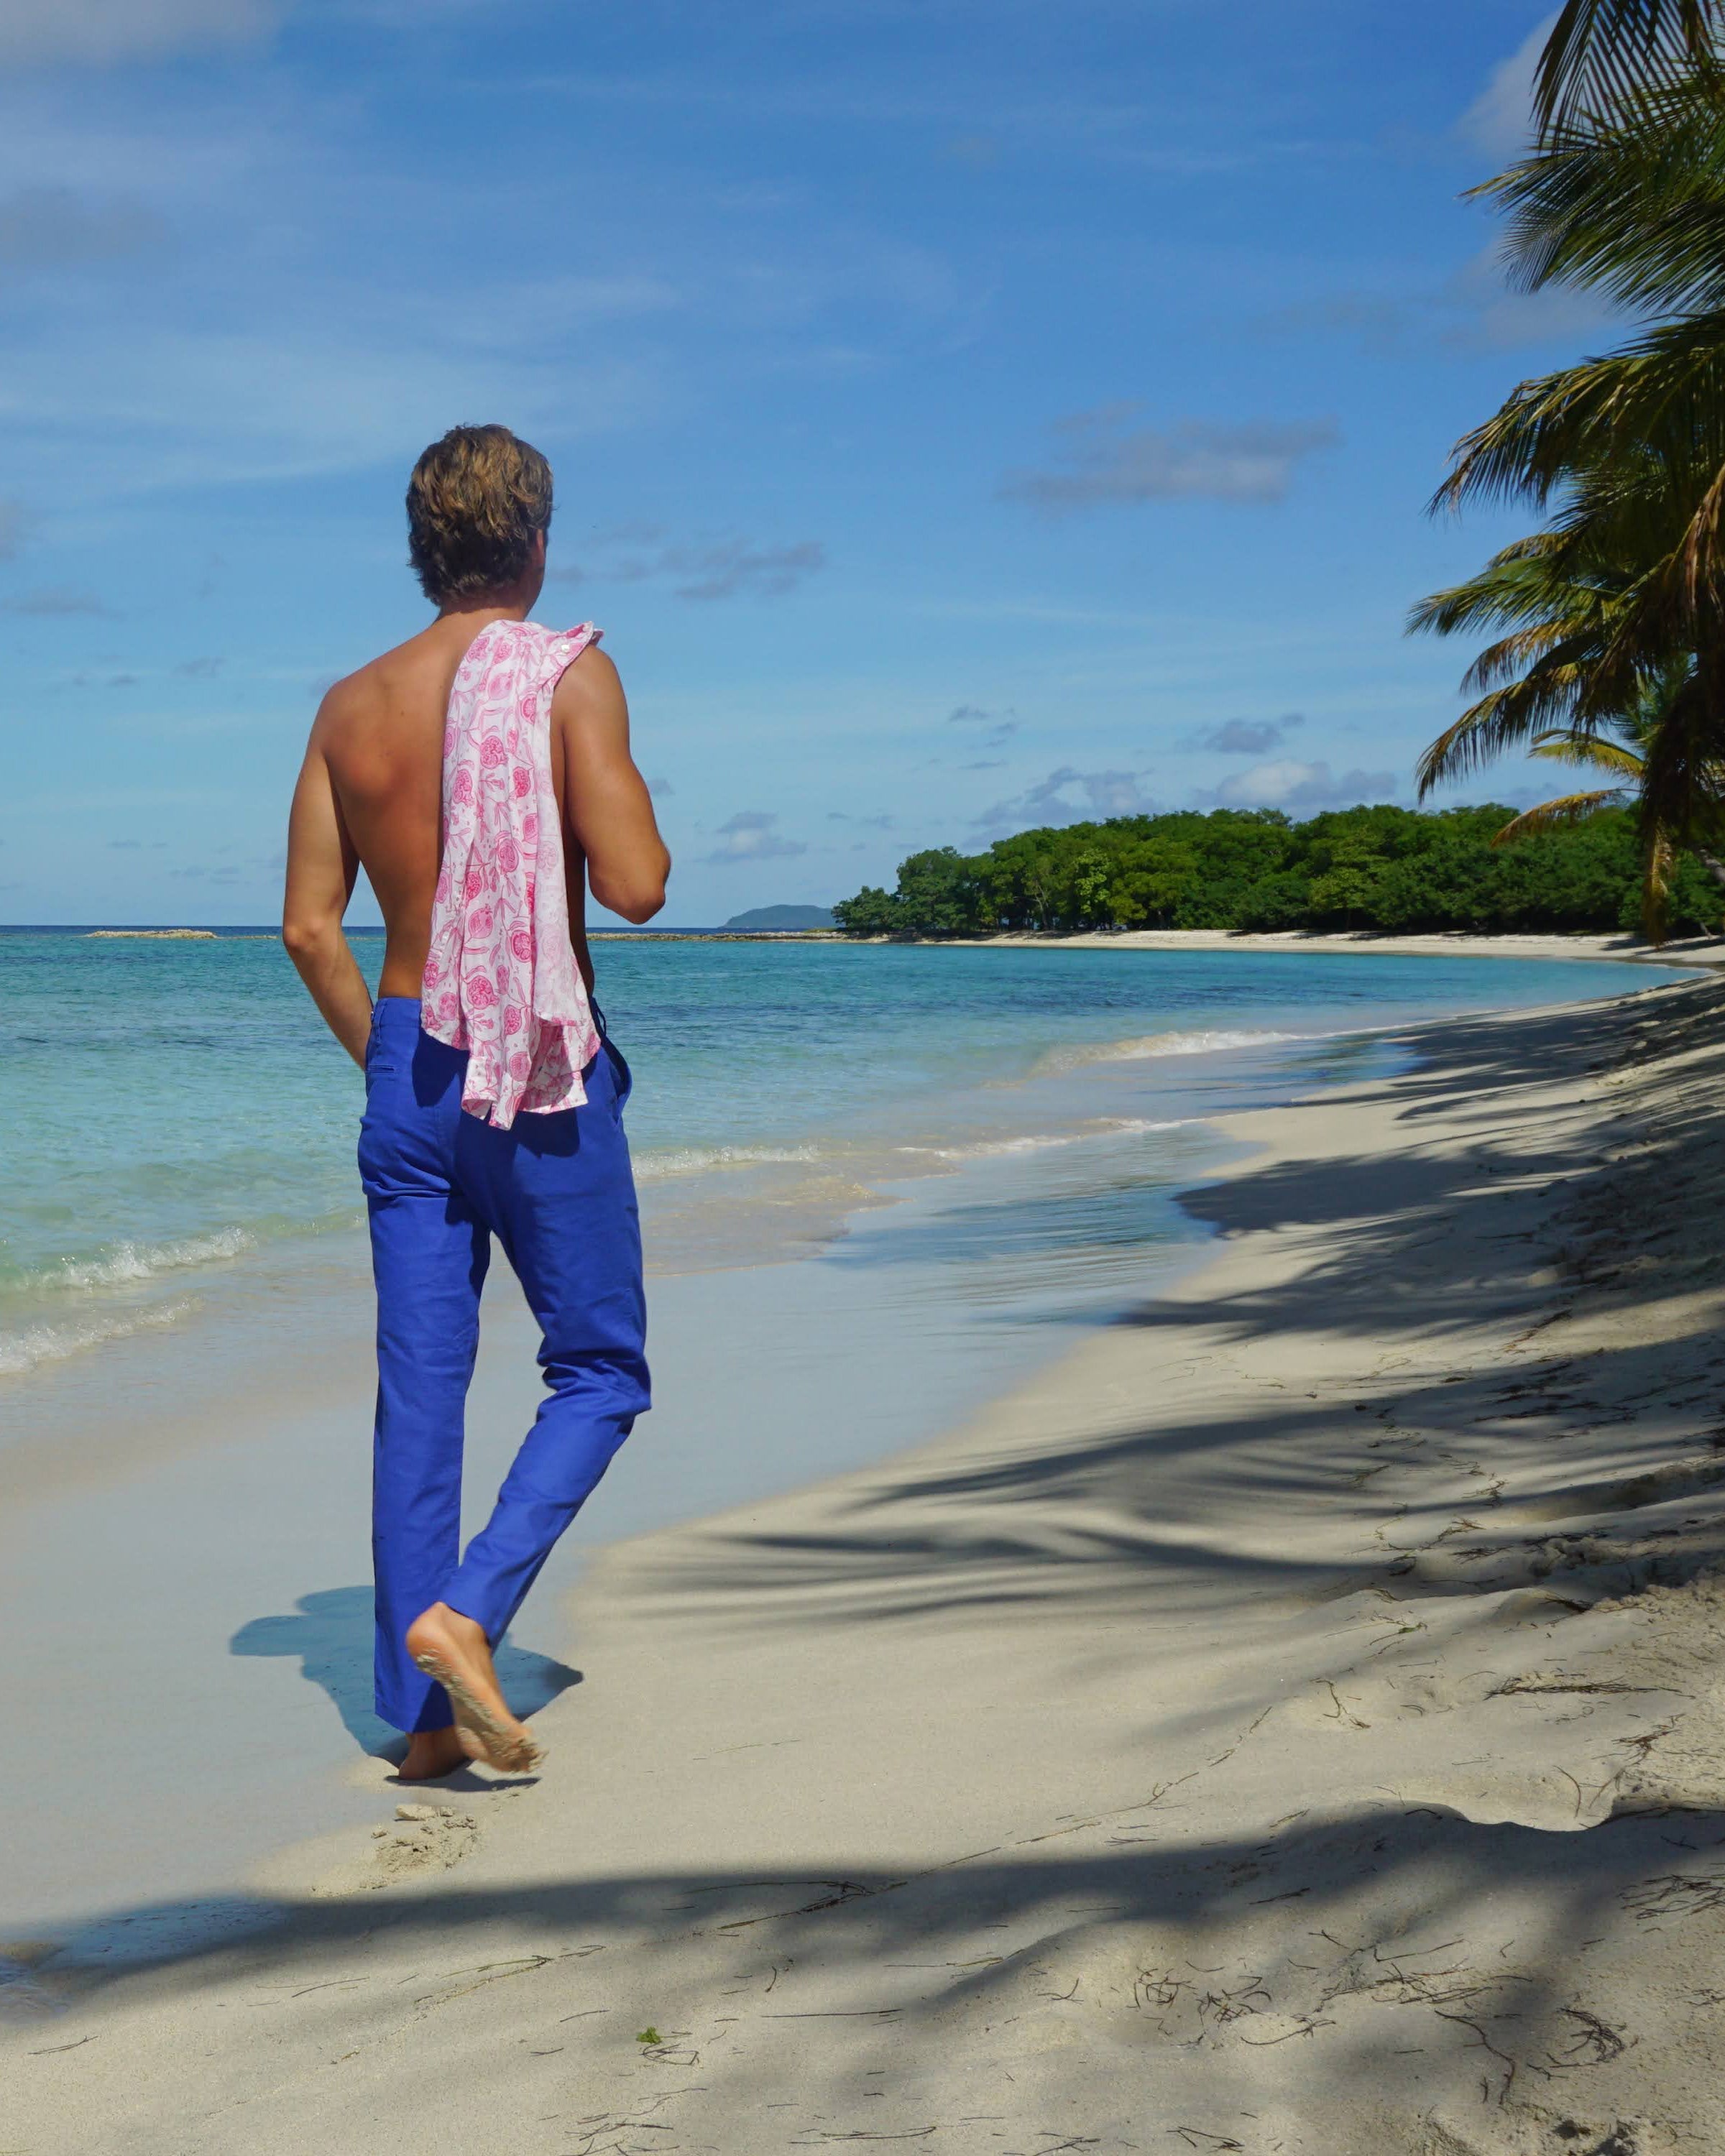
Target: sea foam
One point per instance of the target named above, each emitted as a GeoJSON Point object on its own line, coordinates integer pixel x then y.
{"type": "Point", "coordinates": [1040, 1141]}
{"type": "Point", "coordinates": [702, 1160]}
{"type": "Point", "coordinates": [53, 1343]}
{"type": "Point", "coordinates": [125, 1265]}
{"type": "Point", "coordinates": [1149, 1044]}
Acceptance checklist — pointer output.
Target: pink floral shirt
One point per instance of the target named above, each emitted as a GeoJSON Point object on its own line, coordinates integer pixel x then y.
{"type": "Point", "coordinates": [501, 979]}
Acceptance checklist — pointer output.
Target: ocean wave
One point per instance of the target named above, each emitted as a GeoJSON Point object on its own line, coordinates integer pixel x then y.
{"type": "Point", "coordinates": [53, 1343]}
{"type": "Point", "coordinates": [127, 1265]}
{"type": "Point", "coordinates": [1158, 1044]}
{"type": "Point", "coordinates": [995, 1148]}
{"type": "Point", "coordinates": [1039, 1140]}
{"type": "Point", "coordinates": [701, 1160]}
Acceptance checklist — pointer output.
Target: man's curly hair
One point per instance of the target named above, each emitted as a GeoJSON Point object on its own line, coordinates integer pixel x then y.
{"type": "Point", "coordinates": [475, 502]}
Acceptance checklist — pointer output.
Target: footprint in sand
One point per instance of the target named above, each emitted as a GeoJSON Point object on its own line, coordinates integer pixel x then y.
{"type": "Point", "coordinates": [424, 1838]}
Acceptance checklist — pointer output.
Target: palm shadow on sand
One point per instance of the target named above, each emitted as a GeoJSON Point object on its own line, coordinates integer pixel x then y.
{"type": "Point", "coordinates": [330, 1632]}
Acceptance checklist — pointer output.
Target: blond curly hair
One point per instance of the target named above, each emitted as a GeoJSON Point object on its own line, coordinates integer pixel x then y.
{"type": "Point", "coordinates": [476, 501]}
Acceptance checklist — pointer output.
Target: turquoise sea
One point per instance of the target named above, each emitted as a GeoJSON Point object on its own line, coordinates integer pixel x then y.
{"type": "Point", "coordinates": [171, 1107]}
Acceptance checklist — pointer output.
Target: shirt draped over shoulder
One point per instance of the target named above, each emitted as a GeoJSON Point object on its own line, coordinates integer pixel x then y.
{"type": "Point", "coordinates": [501, 979]}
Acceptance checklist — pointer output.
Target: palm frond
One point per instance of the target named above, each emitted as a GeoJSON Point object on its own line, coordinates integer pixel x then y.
{"type": "Point", "coordinates": [1634, 208]}
{"type": "Point", "coordinates": [1552, 648]}
{"type": "Point", "coordinates": [1656, 408]}
{"type": "Point", "coordinates": [1507, 719]}
{"type": "Point", "coordinates": [1520, 583]}
{"type": "Point", "coordinates": [1602, 51]}
{"type": "Point", "coordinates": [1590, 750]}
{"type": "Point", "coordinates": [1557, 815]}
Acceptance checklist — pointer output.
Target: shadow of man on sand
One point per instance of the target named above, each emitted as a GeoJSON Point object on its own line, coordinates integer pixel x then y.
{"type": "Point", "coordinates": [331, 1634]}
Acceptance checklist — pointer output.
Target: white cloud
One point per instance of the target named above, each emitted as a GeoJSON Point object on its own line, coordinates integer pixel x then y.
{"type": "Point", "coordinates": [1378, 321]}
{"type": "Point", "coordinates": [725, 569]}
{"type": "Point", "coordinates": [1105, 462]}
{"type": "Point", "coordinates": [61, 599]}
{"type": "Point", "coordinates": [734, 566]}
{"type": "Point", "coordinates": [1104, 793]}
{"type": "Point", "coordinates": [96, 33]}
{"type": "Point", "coordinates": [1288, 783]}
{"type": "Point", "coordinates": [291, 399]}
{"type": "Point", "coordinates": [999, 729]}
{"type": "Point", "coordinates": [750, 836]}
{"type": "Point", "coordinates": [1248, 737]}
{"type": "Point", "coordinates": [981, 152]}
{"type": "Point", "coordinates": [1500, 121]}
{"type": "Point", "coordinates": [1490, 317]}
{"type": "Point", "coordinates": [15, 522]}
{"type": "Point", "coordinates": [1471, 311]}
{"type": "Point", "coordinates": [44, 228]}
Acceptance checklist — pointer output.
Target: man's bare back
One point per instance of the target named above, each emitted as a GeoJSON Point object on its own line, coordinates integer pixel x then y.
{"type": "Point", "coordinates": [370, 796]}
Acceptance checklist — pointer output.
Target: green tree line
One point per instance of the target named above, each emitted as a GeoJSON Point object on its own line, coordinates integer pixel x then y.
{"type": "Point", "coordinates": [1381, 868]}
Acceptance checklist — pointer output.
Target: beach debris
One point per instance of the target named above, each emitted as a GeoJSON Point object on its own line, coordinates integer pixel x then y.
{"type": "Point", "coordinates": [649, 2035]}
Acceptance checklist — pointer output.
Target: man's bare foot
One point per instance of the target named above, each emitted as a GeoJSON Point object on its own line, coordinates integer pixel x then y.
{"type": "Point", "coordinates": [431, 1754]}
{"type": "Point", "coordinates": [454, 1651]}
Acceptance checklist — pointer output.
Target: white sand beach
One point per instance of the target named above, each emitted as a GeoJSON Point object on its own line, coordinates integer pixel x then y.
{"type": "Point", "coordinates": [1633, 950]}
{"type": "Point", "coordinates": [1289, 1722]}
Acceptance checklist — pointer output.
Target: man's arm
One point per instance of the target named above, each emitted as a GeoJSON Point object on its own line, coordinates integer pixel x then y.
{"type": "Point", "coordinates": [606, 803]}
{"type": "Point", "coordinates": [322, 865]}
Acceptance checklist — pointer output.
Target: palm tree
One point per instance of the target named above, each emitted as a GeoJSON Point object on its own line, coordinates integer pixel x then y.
{"type": "Point", "coordinates": [1616, 613]}
{"type": "Point", "coordinates": [1542, 692]}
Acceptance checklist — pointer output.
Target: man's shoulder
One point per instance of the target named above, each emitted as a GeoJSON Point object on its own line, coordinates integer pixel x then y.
{"type": "Point", "coordinates": [590, 682]}
{"type": "Point", "coordinates": [381, 683]}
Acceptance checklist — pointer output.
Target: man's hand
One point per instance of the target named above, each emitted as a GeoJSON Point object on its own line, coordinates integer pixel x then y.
{"type": "Point", "coordinates": [607, 806]}
{"type": "Point", "coordinates": [321, 866]}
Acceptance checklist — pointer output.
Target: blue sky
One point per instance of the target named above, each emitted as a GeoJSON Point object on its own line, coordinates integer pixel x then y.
{"type": "Point", "coordinates": [966, 414]}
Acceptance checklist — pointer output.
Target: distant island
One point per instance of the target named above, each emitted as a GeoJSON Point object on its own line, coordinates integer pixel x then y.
{"type": "Point", "coordinates": [155, 935]}
{"type": "Point", "coordinates": [770, 918]}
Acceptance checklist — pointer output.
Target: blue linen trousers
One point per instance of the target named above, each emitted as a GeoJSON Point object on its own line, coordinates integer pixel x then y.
{"type": "Point", "coordinates": [558, 1193]}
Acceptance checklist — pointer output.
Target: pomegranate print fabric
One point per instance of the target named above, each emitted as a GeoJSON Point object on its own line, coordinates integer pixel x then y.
{"type": "Point", "coordinates": [501, 979]}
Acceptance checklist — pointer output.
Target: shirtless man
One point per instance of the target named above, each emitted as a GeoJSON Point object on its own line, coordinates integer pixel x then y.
{"type": "Point", "coordinates": [554, 1188]}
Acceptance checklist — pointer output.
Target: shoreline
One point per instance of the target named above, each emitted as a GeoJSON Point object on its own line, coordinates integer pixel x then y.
{"type": "Point", "coordinates": [1357, 1591]}
{"type": "Point", "coordinates": [1697, 951]}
